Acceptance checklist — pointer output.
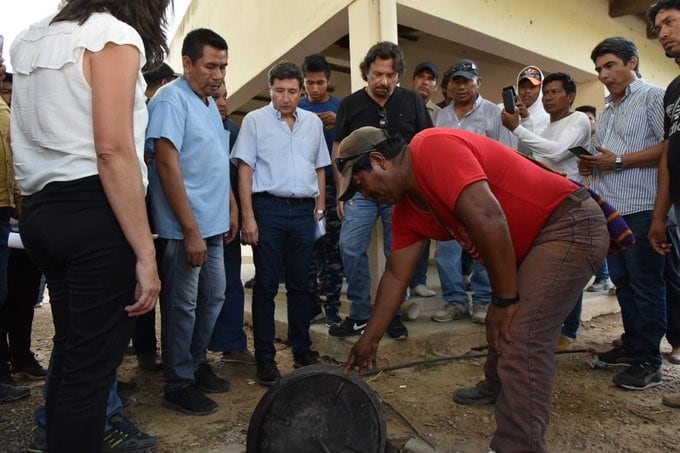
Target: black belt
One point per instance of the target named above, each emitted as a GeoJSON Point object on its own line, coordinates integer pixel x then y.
{"type": "Point", "coordinates": [574, 199]}
{"type": "Point", "coordinates": [287, 200]}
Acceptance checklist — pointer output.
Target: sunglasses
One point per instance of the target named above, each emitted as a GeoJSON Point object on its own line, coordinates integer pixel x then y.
{"type": "Point", "coordinates": [467, 67]}
{"type": "Point", "coordinates": [382, 118]}
{"type": "Point", "coordinates": [532, 74]}
{"type": "Point", "coordinates": [341, 162]}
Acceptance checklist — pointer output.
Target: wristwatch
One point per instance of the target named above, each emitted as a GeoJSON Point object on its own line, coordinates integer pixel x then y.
{"type": "Point", "coordinates": [618, 164]}
{"type": "Point", "coordinates": [503, 303]}
{"type": "Point", "coordinates": [321, 212]}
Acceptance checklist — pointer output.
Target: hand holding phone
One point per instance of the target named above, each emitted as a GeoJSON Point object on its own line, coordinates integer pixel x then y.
{"type": "Point", "coordinates": [579, 151]}
{"type": "Point", "coordinates": [509, 99]}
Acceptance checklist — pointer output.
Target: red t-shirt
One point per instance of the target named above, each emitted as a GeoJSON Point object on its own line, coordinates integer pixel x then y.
{"type": "Point", "coordinates": [446, 160]}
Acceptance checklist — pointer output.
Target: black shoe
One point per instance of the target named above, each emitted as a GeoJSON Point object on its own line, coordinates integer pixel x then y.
{"type": "Point", "coordinates": [397, 330]}
{"type": "Point", "coordinates": [207, 381]}
{"type": "Point", "coordinates": [38, 442]}
{"type": "Point", "coordinates": [249, 283]}
{"type": "Point", "coordinates": [618, 356]}
{"type": "Point", "coordinates": [6, 376]}
{"type": "Point", "coordinates": [124, 436]}
{"type": "Point", "coordinates": [347, 328]}
{"type": "Point", "coordinates": [12, 392]}
{"type": "Point", "coordinates": [267, 373]}
{"type": "Point", "coordinates": [149, 361]}
{"type": "Point", "coordinates": [332, 317]}
{"type": "Point", "coordinates": [474, 395]}
{"type": "Point", "coordinates": [125, 386]}
{"type": "Point", "coordinates": [189, 400]}
{"type": "Point", "coordinates": [640, 376]}
{"type": "Point", "coordinates": [304, 359]}
{"type": "Point", "coordinates": [29, 369]}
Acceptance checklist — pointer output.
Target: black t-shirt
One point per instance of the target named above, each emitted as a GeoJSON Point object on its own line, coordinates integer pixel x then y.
{"type": "Point", "coordinates": [405, 112]}
{"type": "Point", "coordinates": [671, 102]}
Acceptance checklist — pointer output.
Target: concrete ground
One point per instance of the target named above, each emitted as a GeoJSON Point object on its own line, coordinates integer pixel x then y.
{"type": "Point", "coordinates": [426, 337]}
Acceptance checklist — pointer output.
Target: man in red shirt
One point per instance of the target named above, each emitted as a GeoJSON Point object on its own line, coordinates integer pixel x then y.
{"type": "Point", "coordinates": [539, 235]}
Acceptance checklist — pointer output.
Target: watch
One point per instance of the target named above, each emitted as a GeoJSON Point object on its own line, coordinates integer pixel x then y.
{"type": "Point", "coordinates": [503, 303]}
{"type": "Point", "coordinates": [321, 212]}
{"type": "Point", "coordinates": [618, 164]}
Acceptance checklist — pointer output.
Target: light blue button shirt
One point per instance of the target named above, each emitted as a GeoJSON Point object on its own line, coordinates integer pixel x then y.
{"type": "Point", "coordinates": [284, 160]}
{"type": "Point", "coordinates": [195, 129]}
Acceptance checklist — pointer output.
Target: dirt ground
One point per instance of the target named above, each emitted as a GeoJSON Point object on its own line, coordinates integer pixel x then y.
{"type": "Point", "coordinates": [589, 413]}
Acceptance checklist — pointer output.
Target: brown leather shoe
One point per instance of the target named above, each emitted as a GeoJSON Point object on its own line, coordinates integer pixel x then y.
{"type": "Point", "coordinates": [671, 399]}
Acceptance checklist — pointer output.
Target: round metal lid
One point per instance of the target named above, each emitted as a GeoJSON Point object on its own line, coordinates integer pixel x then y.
{"type": "Point", "coordinates": [318, 408]}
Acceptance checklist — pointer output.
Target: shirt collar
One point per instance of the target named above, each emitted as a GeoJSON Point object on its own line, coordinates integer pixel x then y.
{"type": "Point", "coordinates": [277, 114]}
{"type": "Point", "coordinates": [630, 89]}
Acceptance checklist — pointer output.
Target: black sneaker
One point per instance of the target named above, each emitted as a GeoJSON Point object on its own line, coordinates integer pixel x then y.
{"type": "Point", "coordinates": [10, 392]}
{"type": "Point", "coordinates": [189, 400]}
{"type": "Point", "coordinates": [124, 436]}
{"type": "Point", "coordinates": [38, 442]}
{"type": "Point", "coordinates": [640, 376]}
{"type": "Point", "coordinates": [332, 317]}
{"type": "Point", "coordinates": [267, 373]}
{"type": "Point", "coordinates": [397, 330]}
{"type": "Point", "coordinates": [476, 395]}
{"type": "Point", "coordinates": [207, 381]}
{"type": "Point", "coordinates": [348, 327]}
{"type": "Point", "coordinates": [29, 369]}
{"type": "Point", "coordinates": [618, 356]}
{"type": "Point", "coordinates": [149, 361]}
{"type": "Point", "coordinates": [304, 359]}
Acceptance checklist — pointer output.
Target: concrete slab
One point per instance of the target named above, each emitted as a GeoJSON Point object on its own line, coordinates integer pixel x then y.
{"type": "Point", "coordinates": [426, 337]}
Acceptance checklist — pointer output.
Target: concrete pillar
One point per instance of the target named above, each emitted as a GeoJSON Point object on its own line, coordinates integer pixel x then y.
{"type": "Point", "coordinates": [370, 21]}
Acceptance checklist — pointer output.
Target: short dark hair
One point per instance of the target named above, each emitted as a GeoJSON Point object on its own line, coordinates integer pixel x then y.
{"type": "Point", "coordinates": [316, 63]}
{"type": "Point", "coordinates": [284, 70]}
{"type": "Point", "coordinates": [383, 50]}
{"type": "Point", "coordinates": [390, 148]}
{"type": "Point", "coordinates": [446, 78]}
{"type": "Point", "coordinates": [195, 40]}
{"type": "Point", "coordinates": [658, 6]}
{"type": "Point", "coordinates": [587, 109]}
{"type": "Point", "coordinates": [8, 77]}
{"type": "Point", "coordinates": [567, 82]}
{"type": "Point", "coordinates": [622, 47]}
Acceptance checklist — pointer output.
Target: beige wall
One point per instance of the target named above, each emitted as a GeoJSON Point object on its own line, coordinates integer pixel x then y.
{"type": "Point", "coordinates": [502, 36]}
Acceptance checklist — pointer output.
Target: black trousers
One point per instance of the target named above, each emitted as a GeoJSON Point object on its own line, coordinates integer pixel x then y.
{"type": "Point", "coordinates": [16, 316]}
{"type": "Point", "coordinates": [71, 233]}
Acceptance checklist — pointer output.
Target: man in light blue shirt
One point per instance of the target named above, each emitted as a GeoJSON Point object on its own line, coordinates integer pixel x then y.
{"type": "Point", "coordinates": [190, 203]}
{"type": "Point", "coordinates": [281, 154]}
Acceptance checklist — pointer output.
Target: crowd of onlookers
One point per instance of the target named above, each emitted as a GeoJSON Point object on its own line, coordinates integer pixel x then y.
{"type": "Point", "coordinates": [98, 180]}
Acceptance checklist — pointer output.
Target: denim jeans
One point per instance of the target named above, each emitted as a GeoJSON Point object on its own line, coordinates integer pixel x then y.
{"type": "Point", "coordinates": [448, 256]}
{"type": "Point", "coordinates": [73, 236]}
{"type": "Point", "coordinates": [672, 277]}
{"type": "Point", "coordinates": [573, 319]}
{"type": "Point", "coordinates": [638, 274]}
{"type": "Point", "coordinates": [355, 237]}
{"type": "Point", "coordinates": [228, 334]}
{"type": "Point", "coordinates": [420, 274]}
{"type": "Point", "coordinates": [602, 273]}
{"type": "Point", "coordinates": [562, 259]}
{"type": "Point", "coordinates": [285, 240]}
{"type": "Point", "coordinates": [191, 299]}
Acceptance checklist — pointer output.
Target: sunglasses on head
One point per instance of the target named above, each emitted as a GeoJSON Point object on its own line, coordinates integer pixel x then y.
{"type": "Point", "coordinates": [468, 67]}
{"type": "Point", "coordinates": [531, 73]}
{"type": "Point", "coordinates": [341, 162]}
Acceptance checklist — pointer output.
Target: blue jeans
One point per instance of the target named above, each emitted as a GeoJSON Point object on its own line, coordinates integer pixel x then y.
{"type": "Point", "coordinates": [638, 274]}
{"type": "Point", "coordinates": [573, 320]}
{"type": "Point", "coordinates": [420, 274]}
{"type": "Point", "coordinates": [228, 334]}
{"type": "Point", "coordinates": [448, 256]}
{"type": "Point", "coordinates": [285, 242]}
{"type": "Point", "coordinates": [191, 299]}
{"type": "Point", "coordinates": [602, 273]}
{"type": "Point", "coordinates": [355, 237]}
{"type": "Point", "coordinates": [672, 277]}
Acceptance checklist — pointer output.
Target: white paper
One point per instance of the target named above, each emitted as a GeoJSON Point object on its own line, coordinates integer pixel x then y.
{"type": "Point", "coordinates": [320, 229]}
{"type": "Point", "coordinates": [14, 241]}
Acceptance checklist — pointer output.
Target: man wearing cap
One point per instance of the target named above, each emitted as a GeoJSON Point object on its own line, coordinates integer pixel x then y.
{"type": "Point", "coordinates": [156, 79]}
{"type": "Point", "coordinates": [533, 116]}
{"type": "Point", "coordinates": [470, 111]}
{"type": "Point", "coordinates": [400, 111]}
{"type": "Point", "coordinates": [424, 83]}
{"type": "Point", "coordinates": [454, 184]}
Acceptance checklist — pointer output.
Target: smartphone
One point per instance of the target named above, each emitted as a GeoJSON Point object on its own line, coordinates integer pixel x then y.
{"type": "Point", "coordinates": [509, 99]}
{"type": "Point", "coordinates": [579, 151]}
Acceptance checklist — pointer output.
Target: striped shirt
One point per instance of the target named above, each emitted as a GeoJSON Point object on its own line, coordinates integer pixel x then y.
{"type": "Point", "coordinates": [634, 124]}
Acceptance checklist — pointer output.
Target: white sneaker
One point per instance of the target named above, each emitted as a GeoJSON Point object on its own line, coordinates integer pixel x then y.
{"type": "Point", "coordinates": [479, 312]}
{"type": "Point", "coordinates": [451, 312]}
{"type": "Point", "coordinates": [422, 291]}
